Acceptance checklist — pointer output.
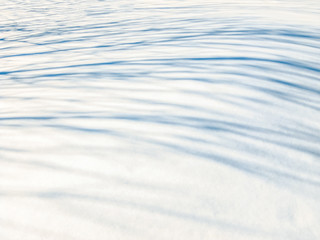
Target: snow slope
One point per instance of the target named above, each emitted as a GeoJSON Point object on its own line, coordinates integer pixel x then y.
{"type": "Point", "coordinates": [159, 120]}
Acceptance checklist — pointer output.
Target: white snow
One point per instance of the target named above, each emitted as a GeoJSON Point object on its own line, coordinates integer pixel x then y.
{"type": "Point", "coordinates": [159, 120]}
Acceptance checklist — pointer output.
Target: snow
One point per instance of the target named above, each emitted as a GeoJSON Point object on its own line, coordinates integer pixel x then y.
{"type": "Point", "coordinates": [159, 120]}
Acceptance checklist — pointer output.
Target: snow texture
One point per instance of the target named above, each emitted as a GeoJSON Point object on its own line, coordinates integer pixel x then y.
{"type": "Point", "coordinates": [163, 120]}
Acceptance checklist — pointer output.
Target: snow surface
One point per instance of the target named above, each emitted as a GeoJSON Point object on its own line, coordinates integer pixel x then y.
{"type": "Point", "coordinates": [159, 120]}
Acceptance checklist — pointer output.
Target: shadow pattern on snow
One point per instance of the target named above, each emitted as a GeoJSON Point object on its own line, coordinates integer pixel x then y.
{"type": "Point", "coordinates": [95, 91]}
